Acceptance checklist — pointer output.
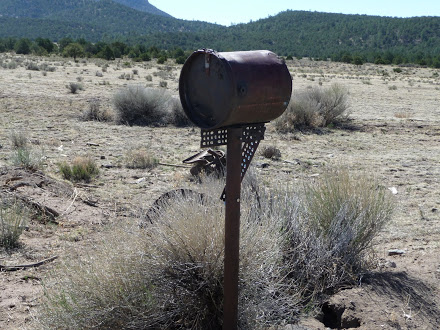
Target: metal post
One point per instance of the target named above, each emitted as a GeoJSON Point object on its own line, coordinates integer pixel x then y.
{"type": "Point", "coordinates": [232, 229]}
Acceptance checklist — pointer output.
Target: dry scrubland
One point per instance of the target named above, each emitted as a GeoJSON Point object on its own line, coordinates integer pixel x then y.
{"type": "Point", "coordinates": [393, 135]}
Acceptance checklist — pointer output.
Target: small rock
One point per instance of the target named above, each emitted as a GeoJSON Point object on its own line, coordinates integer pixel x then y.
{"type": "Point", "coordinates": [102, 157]}
{"type": "Point", "coordinates": [393, 190]}
{"type": "Point", "coordinates": [139, 180]}
{"type": "Point", "coordinates": [396, 252]}
{"type": "Point", "coordinates": [434, 210]}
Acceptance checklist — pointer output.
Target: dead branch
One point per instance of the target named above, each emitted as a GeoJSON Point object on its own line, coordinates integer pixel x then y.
{"type": "Point", "coordinates": [5, 268]}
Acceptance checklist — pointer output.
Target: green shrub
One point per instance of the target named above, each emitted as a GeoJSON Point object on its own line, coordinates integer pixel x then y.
{"type": "Point", "coordinates": [315, 107]}
{"type": "Point", "coordinates": [82, 169]}
{"type": "Point", "coordinates": [136, 105]}
{"type": "Point", "coordinates": [12, 223]}
{"type": "Point", "coordinates": [161, 60]}
{"type": "Point", "coordinates": [397, 70]}
{"type": "Point", "coordinates": [180, 60]}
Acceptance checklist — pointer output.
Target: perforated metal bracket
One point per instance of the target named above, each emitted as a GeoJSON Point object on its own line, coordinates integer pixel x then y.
{"type": "Point", "coordinates": [214, 138]}
{"type": "Point", "coordinates": [251, 137]}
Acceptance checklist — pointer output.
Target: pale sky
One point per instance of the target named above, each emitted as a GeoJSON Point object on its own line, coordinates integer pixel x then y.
{"type": "Point", "coordinates": [227, 12]}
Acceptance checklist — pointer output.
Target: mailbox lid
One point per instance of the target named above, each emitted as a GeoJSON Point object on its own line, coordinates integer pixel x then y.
{"type": "Point", "coordinates": [206, 89]}
{"type": "Point", "coordinates": [234, 88]}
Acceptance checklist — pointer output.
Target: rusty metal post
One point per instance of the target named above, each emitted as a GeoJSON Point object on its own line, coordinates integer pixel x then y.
{"type": "Point", "coordinates": [232, 229]}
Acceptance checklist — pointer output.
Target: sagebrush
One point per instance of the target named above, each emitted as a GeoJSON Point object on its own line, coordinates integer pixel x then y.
{"type": "Point", "coordinates": [137, 105]}
{"type": "Point", "coordinates": [314, 107]}
{"type": "Point", "coordinates": [168, 274]}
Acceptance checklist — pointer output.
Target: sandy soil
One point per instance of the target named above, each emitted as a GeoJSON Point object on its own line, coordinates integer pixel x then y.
{"type": "Point", "coordinates": [394, 135]}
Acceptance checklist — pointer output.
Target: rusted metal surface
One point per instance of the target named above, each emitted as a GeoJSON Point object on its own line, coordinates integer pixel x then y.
{"type": "Point", "coordinates": [234, 88]}
{"type": "Point", "coordinates": [232, 229]}
{"type": "Point", "coordinates": [207, 161]}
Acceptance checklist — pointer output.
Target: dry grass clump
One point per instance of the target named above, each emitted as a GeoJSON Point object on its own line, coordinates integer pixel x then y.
{"type": "Point", "coordinates": [140, 158]}
{"type": "Point", "coordinates": [96, 113]}
{"type": "Point", "coordinates": [314, 107]}
{"type": "Point", "coordinates": [12, 223]}
{"type": "Point", "coordinates": [136, 105]}
{"type": "Point", "coordinates": [81, 169]}
{"type": "Point", "coordinates": [169, 274]}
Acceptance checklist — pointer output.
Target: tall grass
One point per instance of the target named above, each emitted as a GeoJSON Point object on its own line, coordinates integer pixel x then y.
{"type": "Point", "coordinates": [81, 169]}
{"type": "Point", "coordinates": [169, 274]}
{"type": "Point", "coordinates": [12, 222]}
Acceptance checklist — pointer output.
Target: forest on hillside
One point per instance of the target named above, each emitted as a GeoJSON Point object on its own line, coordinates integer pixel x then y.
{"type": "Point", "coordinates": [348, 38]}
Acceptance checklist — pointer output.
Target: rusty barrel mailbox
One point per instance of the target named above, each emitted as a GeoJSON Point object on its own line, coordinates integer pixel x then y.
{"type": "Point", "coordinates": [230, 96]}
{"type": "Point", "coordinates": [234, 88]}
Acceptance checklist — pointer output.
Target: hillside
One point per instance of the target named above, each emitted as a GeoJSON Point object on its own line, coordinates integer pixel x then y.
{"type": "Point", "coordinates": [297, 33]}
{"type": "Point", "coordinates": [142, 5]}
{"type": "Point", "coordinates": [90, 19]}
{"type": "Point", "coordinates": [45, 8]}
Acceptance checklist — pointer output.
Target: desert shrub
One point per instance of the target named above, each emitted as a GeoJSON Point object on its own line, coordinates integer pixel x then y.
{"type": "Point", "coordinates": [75, 87]}
{"type": "Point", "coordinates": [140, 158]}
{"type": "Point", "coordinates": [18, 139]}
{"type": "Point", "coordinates": [81, 169]}
{"type": "Point", "coordinates": [338, 218]}
{"type": "Point", "coordinates": [32, 66]}
{"type": "Point", "coordinates": [392, 88]}
{"type": "Point", "coordinates": [178, 117]}
{"type": "Point", "coordinates": [271, 152]}
{"type": "Point", "coordinates": [27, 157]}
{"type": "Point", "coordinates": [136, 105]}
{"type": "Point", "coordinates": [315, 107]}
{"type": "Point", "coordinates": [163, 84]}
{"type": "Point", "coordinates": [11, 65]}
{"type": "Point", "coordinates": [169, 274]}
{"type": "Point", "coordinates": [12, 223]}
{"type": "Point", "coordinates": [149, 77]}
{"type": "Point", "coordinates": [94, 112]}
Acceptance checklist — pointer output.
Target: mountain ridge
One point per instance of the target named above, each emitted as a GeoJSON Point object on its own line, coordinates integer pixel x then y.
{"type": "Point", "coordinates": [296, 33]}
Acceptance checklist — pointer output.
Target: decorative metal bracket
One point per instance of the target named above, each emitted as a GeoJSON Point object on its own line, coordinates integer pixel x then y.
{"type": "Point", "coordinates": [251, 137]}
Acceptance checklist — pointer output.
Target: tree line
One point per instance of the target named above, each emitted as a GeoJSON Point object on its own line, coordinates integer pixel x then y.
{"type": "Point", "coordinates": [144, 50]}
{"type": "Point", "coordinates": [78, 48]}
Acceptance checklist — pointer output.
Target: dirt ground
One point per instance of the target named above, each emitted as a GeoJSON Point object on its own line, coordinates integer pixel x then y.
{"type": "Point", "coordinates": [393, 134]}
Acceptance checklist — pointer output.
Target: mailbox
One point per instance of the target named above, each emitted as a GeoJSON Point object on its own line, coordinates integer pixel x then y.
{"type": "Point", "coordinates": [230, 96]}
{"type": "Point", "coordinates": [234, 88]}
